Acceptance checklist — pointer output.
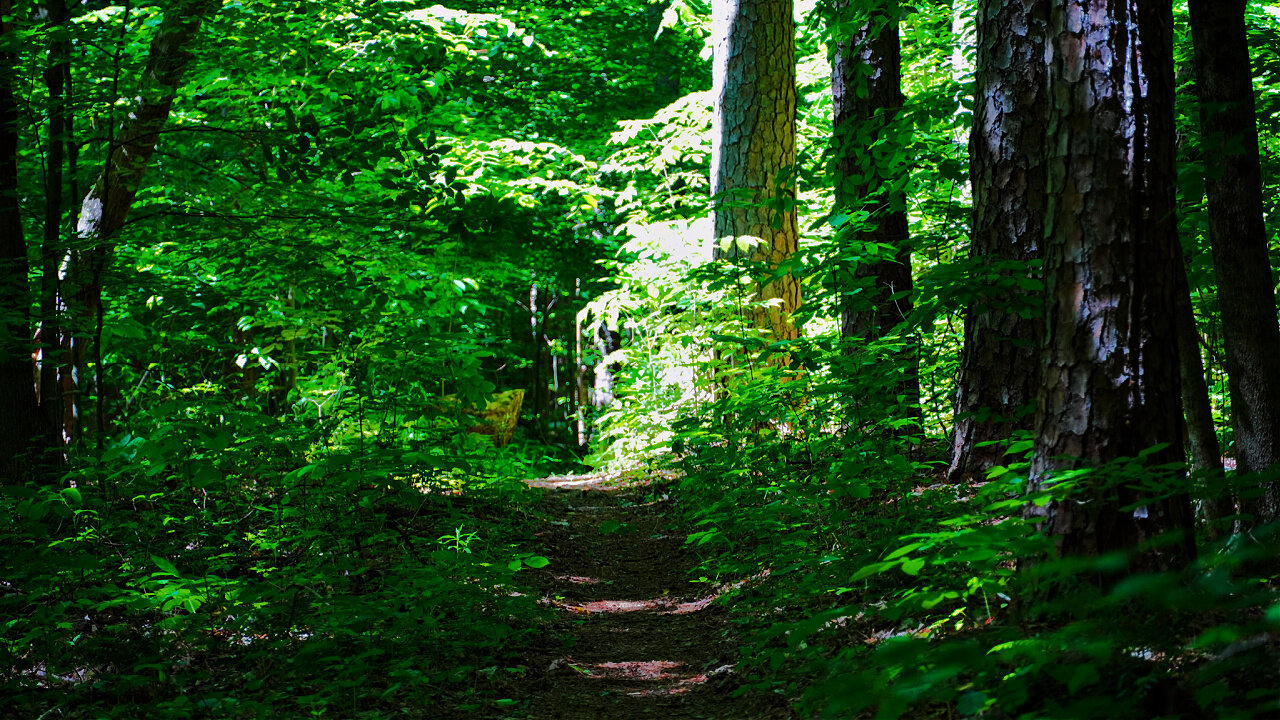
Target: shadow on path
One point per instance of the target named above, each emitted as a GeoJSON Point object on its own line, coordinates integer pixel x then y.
{"type": "Point", "coordinates": [644, 642]}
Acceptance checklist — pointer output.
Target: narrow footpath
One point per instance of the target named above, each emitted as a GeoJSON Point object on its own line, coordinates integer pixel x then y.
{"type": "Point", "coordinates": [645, 641]}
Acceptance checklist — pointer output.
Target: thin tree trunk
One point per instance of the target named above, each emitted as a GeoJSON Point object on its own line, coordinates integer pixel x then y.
{"type": "Point", "coordinates": [1110, 265]}
{"type": "Point", "coordinates": [607, 343]}
{"type": "Point", "coordinates": [49, 337]}
{"type": "Point", "coordinates": [107, 204]}
{"type": "Point", "coordinates": [1202, 439]}
{"type": "Point", "coordinates": [1000, 364]}
{"type": "Point", "coordinates": [1246, 284]}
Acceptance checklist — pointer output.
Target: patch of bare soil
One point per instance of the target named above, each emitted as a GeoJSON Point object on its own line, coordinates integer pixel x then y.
{"type": "Point", "coordinates": [640, 639]}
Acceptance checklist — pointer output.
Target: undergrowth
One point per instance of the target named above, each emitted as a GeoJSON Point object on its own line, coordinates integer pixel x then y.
{"type": "Point", "coordinates": [865, 586]}
{"type": "Point", "coordinates": [206, 571]}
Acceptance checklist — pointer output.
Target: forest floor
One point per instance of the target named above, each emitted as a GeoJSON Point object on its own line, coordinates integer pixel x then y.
{"type": "Point", "coordinates": [634, 637]}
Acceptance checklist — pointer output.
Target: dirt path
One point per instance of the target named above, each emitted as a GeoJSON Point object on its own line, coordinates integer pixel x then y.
{"type": "Point", "coordinates": [646, 642]}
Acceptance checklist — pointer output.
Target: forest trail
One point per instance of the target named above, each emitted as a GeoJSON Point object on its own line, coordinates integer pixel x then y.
{"type": "Point", "coordinates": [646, 642]}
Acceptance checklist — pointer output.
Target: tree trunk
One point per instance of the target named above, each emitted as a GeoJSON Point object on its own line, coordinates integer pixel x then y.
{"type": "Point", "coordinates": [871, 174]}
{"type": "Point", "coordinates": [49, 339]}
{"type": "Point", "coordinates": [19, 414]}
{"type": "Point", "coordinates": [1000, 364]}
{"type": "Point", "coordinates": [107, 204]}
{"type": "Point", "coordinates": [999, 367]}
{"type": "Point", "coordinates": [1110, 256]}
{"type": "Point", "coordinates": [1246, 285]}
{"type": "Point", "coordinates": [1202, 439]}
{"type": "Point", "coordinates": [753, 152]}
{"type": "Point", "coordinates": [607, 342]}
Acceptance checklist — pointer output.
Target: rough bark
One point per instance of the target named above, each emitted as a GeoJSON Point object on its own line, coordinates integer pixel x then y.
{"type": "Point", "coordinates": [866, 91]}
{"type": "Point", "coordinates": [106, 206]}
{"type": "Point", "coordinates": [1110, 356]}
{"type": "Point", "coordinates": [19, 426]}
{"type": "Point", "coordinates": [1246, 284]}
{"type": "Point", "coordinates": [753, 152]}
{"type": "Point", "coordinates": [1000, 362]}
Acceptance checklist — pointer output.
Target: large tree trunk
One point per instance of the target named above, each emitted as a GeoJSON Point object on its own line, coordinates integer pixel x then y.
{"type": "Point", "coordinates": [753, 152]}
{"type": "Point", "coordinates": [1246, 285]}
{"type": "Point", "coordinates": [107, 204]}
{"type": "Point", "coordinates": [999, 367]}
{"type": "Point", "coordinates": [866, 92]}
{"type": "Point", "coordinates": [1110, 258]}
{"type": "Point", "coordinates": [19, 415]}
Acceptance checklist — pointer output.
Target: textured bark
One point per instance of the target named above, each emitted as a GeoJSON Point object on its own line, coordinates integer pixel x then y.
{"type": "Point", "coordinates": [753, 152]}
{"type": "Point", "coordinates": [866, 93]}
{"type": "Point", "coordinates": [1246, 284]}
{"type": "Point", "coordinates": [1110, 357]}
{"type": "Point", "coordinates": [1000, 364]}
{"type": "Point", "coordinates": [19, 426]}
{"type": "Point", "coordinates": [105, 207]}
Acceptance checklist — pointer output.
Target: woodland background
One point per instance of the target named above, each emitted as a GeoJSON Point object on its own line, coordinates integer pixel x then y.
{"type": "Point", "coordinates": [265, 262]}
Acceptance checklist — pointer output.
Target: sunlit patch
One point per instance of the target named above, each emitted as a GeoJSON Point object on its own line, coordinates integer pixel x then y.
{"type": "Point", "coordinates": [692, 606]}
{"type": "Point", "coordinates": [614, 606]}
{"type": "Point", "coordinates": [677, 677]}
{"type": "Point", "coordinates": [647, 670]}
{"type": "Point", "coordinates": [597, 481]}
{"type": "Point", "coordinates": [605, 481]}
{"type": "Point", "coordinates": [665, 606]}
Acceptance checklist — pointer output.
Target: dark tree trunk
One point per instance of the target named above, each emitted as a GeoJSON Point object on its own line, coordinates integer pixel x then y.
{"type": "Point", "coordinates": [107, 204]}
{"type": "Point", "coordinates": [866, 92]}
{"type": "Point", "coordinates": [999, 367]}
{"type": "Point", "coordinates": [753, 152]}
{"type": "Point", "coordinates": [1110, 358]}
{"type": "Point", "coordinates": [1202, 439]}
{"type": "Point", "coordinates": [1246, 285]}
{"type": "Point", "coordinates": [19, 414]}
{"type": "Point", "coordinates": [57, 79]}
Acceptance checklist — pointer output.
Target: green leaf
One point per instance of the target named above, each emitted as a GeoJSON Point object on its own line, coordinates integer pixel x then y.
{"type": "Point", "coordinates": [166, 567]}
{"type": "Point", "coordinates": [872, 569]}
{"type": "Point", "coordinates": [913, 566]}
{"type": "Point", "coordinates": [903, 550]}
{"type": "Point", "coordinates": [537, 561]}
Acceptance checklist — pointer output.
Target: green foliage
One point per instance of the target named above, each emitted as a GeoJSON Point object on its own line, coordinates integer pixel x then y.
{"type": "Point", "coordinates": [248, 584]}
{"type": "Point", "coordinates": [364, 220]}
{"type": "Point", "coordinates": [868, 592]}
